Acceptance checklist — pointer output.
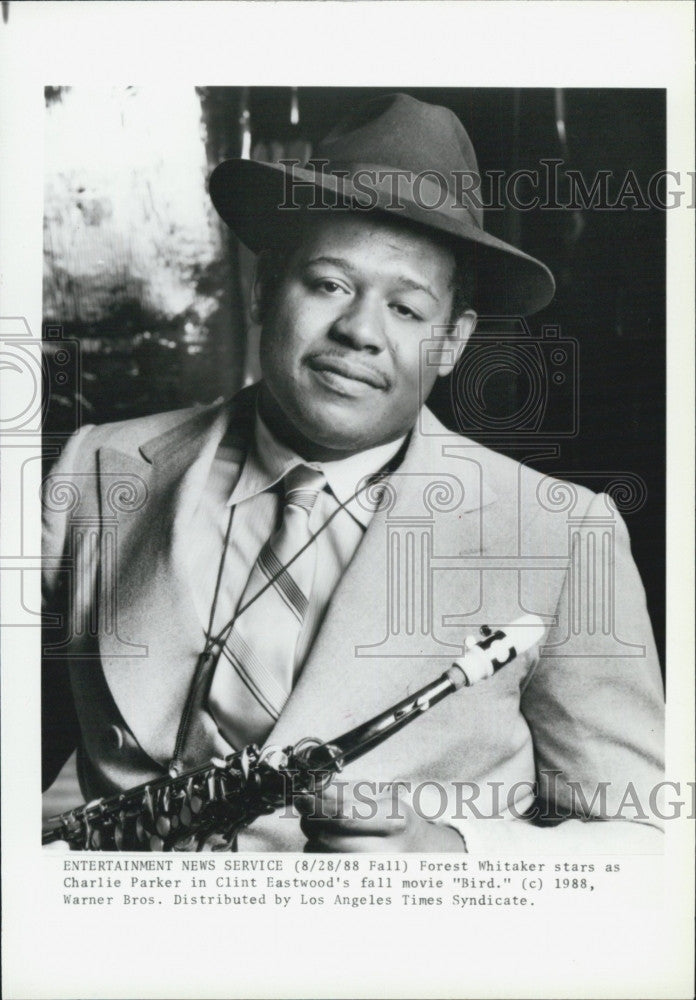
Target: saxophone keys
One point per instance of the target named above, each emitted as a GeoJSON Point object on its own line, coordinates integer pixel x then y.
{"type": "Point", "coordinates": [156, 843]}
{"type": "Point", "coordinates": [119, 832]}
{"type": "Point", "coordinates": [119, 835]}
{"type": "Point", "coordinates": [212, 787]}
{"type": "Point", "coordinates": [193, 799]}
{"type": "Point", "coordinates": [163, 825]}
{"type": "Point", "coordinates": [148, 803]}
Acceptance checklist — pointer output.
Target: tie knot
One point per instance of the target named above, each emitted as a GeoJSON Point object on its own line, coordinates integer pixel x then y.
{"type": "Point", "coordinates": [302, 487]}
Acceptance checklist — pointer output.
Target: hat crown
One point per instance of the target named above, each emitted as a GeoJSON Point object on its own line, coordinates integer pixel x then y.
{"type": "Point", "coordinates": [399, 132]}
{"type": "Point", "coordinates": [396, 156]}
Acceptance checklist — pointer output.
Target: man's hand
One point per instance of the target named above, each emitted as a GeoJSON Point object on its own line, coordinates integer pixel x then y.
{"type": "Point", "coordinates": [365, 818]}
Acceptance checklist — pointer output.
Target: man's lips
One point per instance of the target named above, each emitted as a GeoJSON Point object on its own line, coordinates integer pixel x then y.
{"type": "Point", "coordinates": [352, 370]}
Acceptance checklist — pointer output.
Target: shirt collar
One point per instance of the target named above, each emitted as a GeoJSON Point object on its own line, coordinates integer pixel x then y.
{"type": "Point", "coordinates": [268, 460]}
{"type": "Point", "coordinates": [346, 475]}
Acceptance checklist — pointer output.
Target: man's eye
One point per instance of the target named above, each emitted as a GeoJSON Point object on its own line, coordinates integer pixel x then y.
{"type": "Point", "coordinates": [405, 311]}
{"type": "Point", "coordinates": [327, 285]}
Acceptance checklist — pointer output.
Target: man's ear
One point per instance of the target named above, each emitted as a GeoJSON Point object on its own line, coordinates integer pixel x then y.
{"type": "Point", "coordinates": [454, 341]}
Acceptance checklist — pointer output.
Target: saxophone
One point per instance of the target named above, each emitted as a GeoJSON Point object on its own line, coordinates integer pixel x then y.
{"type": "Point", "coordinates": [206, 807]}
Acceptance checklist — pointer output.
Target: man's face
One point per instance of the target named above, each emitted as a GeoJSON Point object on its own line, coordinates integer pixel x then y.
{"type": "Point", "coordinates": [340, 345]}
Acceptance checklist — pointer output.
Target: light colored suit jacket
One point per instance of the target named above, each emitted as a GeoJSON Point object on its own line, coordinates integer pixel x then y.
{"type": "Point", "coordinates": [463, 537]}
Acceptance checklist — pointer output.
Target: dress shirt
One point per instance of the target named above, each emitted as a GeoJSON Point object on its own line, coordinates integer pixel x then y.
{"type": "Point", "coordinates": [245, 487]}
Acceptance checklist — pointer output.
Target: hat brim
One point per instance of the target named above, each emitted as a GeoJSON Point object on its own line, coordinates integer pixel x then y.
{"type": "Point", "coordinates": [249, 195]}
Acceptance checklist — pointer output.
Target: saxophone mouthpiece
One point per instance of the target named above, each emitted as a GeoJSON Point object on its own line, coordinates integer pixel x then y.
{"type": "Point", "coordinates": [496, 649]}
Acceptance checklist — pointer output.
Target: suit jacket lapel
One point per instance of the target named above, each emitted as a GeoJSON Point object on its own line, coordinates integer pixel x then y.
{"type": "Point", "coordinates": [149, 652]}
{"type": "Point", "coordinates": [358, 665]}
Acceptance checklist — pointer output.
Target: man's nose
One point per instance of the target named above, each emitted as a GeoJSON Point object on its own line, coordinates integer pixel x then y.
{"type": "Point", "coordinates": [360, 326]}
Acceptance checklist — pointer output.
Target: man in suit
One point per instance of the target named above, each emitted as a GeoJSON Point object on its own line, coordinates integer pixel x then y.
{"type": "Point", "coordinates": [342, 547]}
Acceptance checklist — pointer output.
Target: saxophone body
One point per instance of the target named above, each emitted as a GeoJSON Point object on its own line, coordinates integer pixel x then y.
{"type": "Point", "coordinates": [205, 808]}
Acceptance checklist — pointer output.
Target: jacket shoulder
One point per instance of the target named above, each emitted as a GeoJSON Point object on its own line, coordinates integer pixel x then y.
{"type": "Point", "coordinates": [539, 490]}
{"type": "Point", "coordinates": [514, 482]}
{"type": "Point", "coordinates": [129, 435]}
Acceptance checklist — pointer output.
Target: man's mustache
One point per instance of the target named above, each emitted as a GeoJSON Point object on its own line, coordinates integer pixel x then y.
{"type": "Point", "coordinates": [342, 364]}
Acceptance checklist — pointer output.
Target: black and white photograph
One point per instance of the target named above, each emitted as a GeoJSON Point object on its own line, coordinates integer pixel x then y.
{"type": "Point", "coordinates": [364, 490]}
{"type": "Point", "coordinates": [345, 433]}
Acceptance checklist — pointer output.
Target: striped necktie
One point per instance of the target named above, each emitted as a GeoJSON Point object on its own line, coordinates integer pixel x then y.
{"type": "Point", "coordinates": [255, 672]}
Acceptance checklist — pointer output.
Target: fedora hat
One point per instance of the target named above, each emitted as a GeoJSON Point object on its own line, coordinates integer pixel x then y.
{"type": "Point", "coordinates": [398, 156]}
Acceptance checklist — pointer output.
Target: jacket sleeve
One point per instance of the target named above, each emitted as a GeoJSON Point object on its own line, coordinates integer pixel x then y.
{"type": "Point", "coordinates": [59, 725]}
{"type": "Point", "coordinates": [595, 707]}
